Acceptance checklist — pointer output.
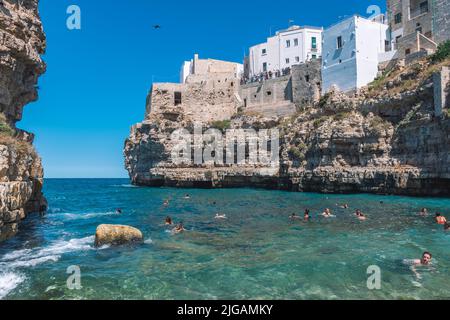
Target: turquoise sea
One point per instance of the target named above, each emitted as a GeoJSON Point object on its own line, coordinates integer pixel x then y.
{"type": "Point", "coordinates": [257, 253]}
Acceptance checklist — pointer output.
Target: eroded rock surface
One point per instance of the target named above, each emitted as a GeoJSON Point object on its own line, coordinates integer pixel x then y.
{"type": "Point", "coordinates": [384, 139]}
{"type": "Point", "coordinates": [22, 41]}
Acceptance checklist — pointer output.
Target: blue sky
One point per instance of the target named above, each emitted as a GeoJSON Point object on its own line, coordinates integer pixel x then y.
{"type": "Point", "coordinates": [98, 77]}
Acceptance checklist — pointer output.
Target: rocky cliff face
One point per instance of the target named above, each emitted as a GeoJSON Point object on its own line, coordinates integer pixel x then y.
{"type": "Point", "coordinates": [22, 41]}
{"type": "Point", "coordinates": [385, 139]}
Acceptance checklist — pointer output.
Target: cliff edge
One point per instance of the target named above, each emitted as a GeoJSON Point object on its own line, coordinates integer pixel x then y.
{"type": "Point", "coordinates": [22, 41]}
{"type": "Point", "coordinates": [388, 138]}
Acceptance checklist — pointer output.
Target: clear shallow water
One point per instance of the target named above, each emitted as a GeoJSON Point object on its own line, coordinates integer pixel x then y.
{"type": "Point", "coordinates": [256, 254]}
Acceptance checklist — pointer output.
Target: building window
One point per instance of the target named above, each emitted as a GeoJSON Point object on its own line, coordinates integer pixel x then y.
{"type": "Point", "coordinates": [295, 42]}
{"type": "Point", "coordinates": [314, 56]}
{"type": "Point", "coordinates": [297, 59]}
{"type": "Point", "coordinates": [424, 7]}
{"type": "Point", "coordinates": [314, 43]}
{"type": "Point", "coordinates": [177, 98]}
{"type": "Point", "coordinates": [264, 52]}
{"type": "Point", "coordinates": [419, 28]}
{"type": "Point", "coordinates": [407, 51]}
{"type": "Point", "coordinates": [307, 78]}
{"type": "Point", "coordinates": [288, 43]}
{"type": "Point", "coordinates": [339, 42]}
{"type": "Point", "coordinates": [397, 39]}
{"type": "Point", "coordinates": [398, 18]}
{"type": "Point", "coordinates": [265, 67]}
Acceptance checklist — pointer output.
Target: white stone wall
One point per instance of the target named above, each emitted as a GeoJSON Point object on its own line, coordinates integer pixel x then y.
{"type": "Point", "coordinates": [355, 64]}
{"type": "Point", "coordinates": [277, 50]}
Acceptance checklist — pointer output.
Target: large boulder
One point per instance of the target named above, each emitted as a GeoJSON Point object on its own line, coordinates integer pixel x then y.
{"type": "Point", "coordinates": [117, 235]}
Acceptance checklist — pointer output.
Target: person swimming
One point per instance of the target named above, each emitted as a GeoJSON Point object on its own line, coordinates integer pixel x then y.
{"type": "Point", "coordinates": [447, 226]}
{"type": "Point", "coordinates": [327, 213]}
{"type": "Point", "coordinates": [178, 229]}
{"type": "Point", "coordinates": [344, 206]}
{"type": "Point", "coordinates": [306, 215]}
{"type": "Point", "coordinates": [425, 261]}
{"type": "Point", "coordinates": [169, 221]}
{"type": "Point", "coordinates": [360, 215]}
{"type": "Point", "coordinates": [166, 203]}
{"type": "Point", "coordinates": [119, 211]}
{"type": "Point", "coordinates": [221, 216]}
{"type": "Point", "coordinates": [294, 216]}
{"type": "Point", "coordinates": [424, 212]}
{"type": "Point", "coordinates": [440, 219]}
{"type": "Point", "coordinates": [187, 197]}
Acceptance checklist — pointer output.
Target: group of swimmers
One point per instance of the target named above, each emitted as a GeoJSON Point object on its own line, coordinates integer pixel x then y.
{"type": "Point", "coordinates": [424, 261]}
{"type": "Point", "coordinates": [179, 228]}
{"type": "Point", "coordinates": [327, 214]}
{"type": "Point", "coordinates": [439, 218]}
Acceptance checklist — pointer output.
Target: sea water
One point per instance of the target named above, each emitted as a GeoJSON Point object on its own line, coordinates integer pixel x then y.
{"type": "Point", "coordinates": [256, 253]}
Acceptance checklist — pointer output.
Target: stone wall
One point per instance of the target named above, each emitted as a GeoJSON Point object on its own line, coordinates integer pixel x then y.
{"type": "Point", "coordinates": [203, 98]}
{"type": "Point", "coordinates": [271, 91]}
{"type": "Point", "coordinates": [441, 82]}
{"type": "Point", "coordinates": [306, 84]}
{"type": "Point", "coordinates": [441, 20]}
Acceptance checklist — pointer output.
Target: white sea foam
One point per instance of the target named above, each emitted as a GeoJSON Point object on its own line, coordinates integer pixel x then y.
{"type": "Point", "coordinates": [84, 216]}
{"type": "Point", "coordinates": [148, 241]}
{"type": "Point", "coordinates": [124, 186]}
{"type": "Point", "coordinates": [34, 257]}
{"type": "Point", "coordinates": [9, 281]}
{"type": "Point", "coordinates": [28, 258]}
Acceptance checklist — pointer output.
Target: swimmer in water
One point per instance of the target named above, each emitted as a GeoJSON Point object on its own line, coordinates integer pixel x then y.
{"type": "Point", "coordinates": [424, 262]}
{"type": "Point", "coordinates": [424, 212]}
{"type": "Point", "coordinates": [294, 216]}
{"type": "Point", "coordinates": [221, 216]}
{"type": "Point", "coordinates": [119, 211]}
{"type": "Point", "coordinates": [306, 215]}
{"type": "Point", "coordinates": [178, 229]}
{"type": "Point", "coordinates": [327, 213]}
{"type": "Point", "coordinates": [344, 206]}
{"type": "Point", "coordinates": [187, 196]}
{"type": "Point", "coordinates": [169, 221]}
{"type": "Point", "coordinates": [360, 215]}
{"type": "Point", "coordinates": [440, 219]}
{"type": "Point", "coordinates": [166, 203]}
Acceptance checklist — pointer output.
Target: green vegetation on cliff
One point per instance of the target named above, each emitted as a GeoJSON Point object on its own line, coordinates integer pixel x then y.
{"type": "Point", "coordinates": [442, 53]}
{"type": "Point", "coordinates": [5, 128]}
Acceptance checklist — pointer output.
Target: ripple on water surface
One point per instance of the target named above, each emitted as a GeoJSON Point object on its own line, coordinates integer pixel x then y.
{"type": "Point", "coordinates": [256, 253]}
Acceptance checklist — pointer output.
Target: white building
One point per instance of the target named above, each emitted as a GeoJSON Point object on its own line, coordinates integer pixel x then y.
{"type": "Point", "coordinates": [352, 50]}
{"type": "Point", "coordinates": [287, 48]}
{"type": "Point", "coordinates": [205, 66]}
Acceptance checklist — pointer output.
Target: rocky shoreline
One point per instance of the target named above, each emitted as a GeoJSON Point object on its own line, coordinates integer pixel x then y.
{"type": "Point", "coordinates": [385, 139]}
{"type": "Point", "coordinates": [22, 42]}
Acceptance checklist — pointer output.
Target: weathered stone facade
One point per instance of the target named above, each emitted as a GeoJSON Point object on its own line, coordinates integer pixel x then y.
{"type": "Point", "coordinates": [22, 41]}
{"type": "Point", "coordinates": [418, 25]}
{"type": "Point", "coordinates": [306, 84]}
{"type": "Point", "coordinates": [441, 20]}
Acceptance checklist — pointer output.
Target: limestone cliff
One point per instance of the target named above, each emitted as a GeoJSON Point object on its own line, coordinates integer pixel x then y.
{"type": "Point", "coordinates": [22, 41]}
{"type": "Point", "coordinates": [385, 139]}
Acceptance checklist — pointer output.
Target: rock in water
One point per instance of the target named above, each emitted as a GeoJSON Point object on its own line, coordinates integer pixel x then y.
{"type": "Point", "coordinates": [117, 235]}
